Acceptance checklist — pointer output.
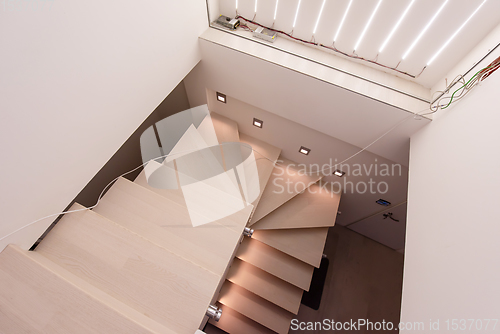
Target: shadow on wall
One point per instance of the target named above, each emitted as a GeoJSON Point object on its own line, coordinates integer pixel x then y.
{"type": "Point", "coordinates": [128, 155]}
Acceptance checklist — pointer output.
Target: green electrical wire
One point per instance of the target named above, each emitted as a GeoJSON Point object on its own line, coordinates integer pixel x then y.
{"type": "Point", "coordinates": [465, 85]}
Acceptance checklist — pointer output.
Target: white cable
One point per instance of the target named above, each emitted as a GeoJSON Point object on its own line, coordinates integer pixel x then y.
{"type": "Point", "coordinates": [414, 116]}
{"type": "Point", "coordinates": [98, 199]}
{"type": "Point", "coordinates": [373, 142]}
{"type": "Point", "coordinates": [166, 155]}
{"type": "Point", "coordinates": [465, 89]}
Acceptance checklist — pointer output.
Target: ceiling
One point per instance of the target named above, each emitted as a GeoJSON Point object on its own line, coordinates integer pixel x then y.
{"type": "Point", "coordinates": [452, 16]}
{"type": "Point", "coordinates": [326, 108]}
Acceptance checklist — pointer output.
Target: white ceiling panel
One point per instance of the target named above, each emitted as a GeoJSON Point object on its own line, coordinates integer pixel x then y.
{"type": "Point", "coordinates": [453, 15]}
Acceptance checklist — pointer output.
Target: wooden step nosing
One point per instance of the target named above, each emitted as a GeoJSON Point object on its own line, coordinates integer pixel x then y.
{"type": "Point", "coordinates": [110, 221]}
{"type": "Point", "coordinates": [261, 294]}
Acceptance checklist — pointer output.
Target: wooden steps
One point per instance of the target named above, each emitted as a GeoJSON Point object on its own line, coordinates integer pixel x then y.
{"type": "Point", "coordinates": [265, 285]}
{"type": "Point", "coordinates": [315, 207]}
{"type": "Point", "coordinates": [175, 195]}
{"type": "Point", "coordinates": [234, 322]}
{"type": "Point", "coordinates": [150, 260]}
{"type": "Point", "coordinates": [167, 224]}
{"type": "Point", "coordinates": [235, 222]}
{"type": "Point", "coordinates": [37, 296]}
{"type": "Point", "coordinates": [131, 269]}
{"type": "Point", "coordinates": [265, 157]}
{"type": "Point", "coordinates": [286, 181]}
{"type": "Point", "coordinates": [255, 307]}
{"type": "Point", "coordinates": [304, 244]}
{"type": "Point", "coordinates": [275, 262]}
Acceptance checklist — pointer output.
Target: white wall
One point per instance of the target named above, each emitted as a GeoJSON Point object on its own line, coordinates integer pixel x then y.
{"type": "Point", "coordinates": [297, 89]}
{"type": "Point", "coordinates": [76, 79]}
{"type": "Point", "coordinates": [289, 136]}
{"type": "Point", "coordinates": [452, 259]}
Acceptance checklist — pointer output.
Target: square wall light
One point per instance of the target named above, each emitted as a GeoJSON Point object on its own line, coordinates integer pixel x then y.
{"type": "Point", "coordinates": [258, 123]}
{"type": "Point", "coordinates": [304, 150]}
{"type": "Point", "coordinates": [338, 173]}
{"type": "Point", "coordinates": [221, 97]}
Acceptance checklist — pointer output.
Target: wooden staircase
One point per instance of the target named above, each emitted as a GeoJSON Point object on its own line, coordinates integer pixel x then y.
{"type": "Point", "coordinates": [135, 264]}
{"type": "Point", "coordinates": [272, 269]}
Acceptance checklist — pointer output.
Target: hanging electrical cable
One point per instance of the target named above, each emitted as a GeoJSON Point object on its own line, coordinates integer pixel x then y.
{"type": "Point", "coordinates": [275, 163]}
{"type": "Point", "coordinates": [332, 48]}
{"type": "Point", "coordinates": [463, 90]}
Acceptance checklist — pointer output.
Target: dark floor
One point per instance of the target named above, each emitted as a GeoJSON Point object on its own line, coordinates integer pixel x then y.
{"type": "Point", "coordinates": [364, 281]}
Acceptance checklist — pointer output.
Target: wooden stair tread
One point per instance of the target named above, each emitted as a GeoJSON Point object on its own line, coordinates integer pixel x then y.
{"type": "Point", "coordinates": [265, 157]}
{"type": "Point", "coordinates": [275, 262]}
{"type": "Point", "coordinates": [305, 244]}
{"type": "Point", "coordinates": [167, 224]}
{"type": "Point", "coordinates": [138, 273]}
{"type": "Point", "coordinates": [235, 222]}
{"type": "Point", "coordinates": [198, 165]}
{"type": "Point", "coordinates": [255, 307]}
{"type": "Point", "coordinates": [234, 323]}
{"type": "Point", "coordinates": [315, 207]}
{"type": "Point", "coordinates": [175, 195]}
{"type": "Point", "coordinates": [37, 296]}
{"type": "Point", "coordinates": [225, 128]}
{"type": "Point", "coordinates": [265, 285]}
{"type": "Point", "coordinates": [285, 182]}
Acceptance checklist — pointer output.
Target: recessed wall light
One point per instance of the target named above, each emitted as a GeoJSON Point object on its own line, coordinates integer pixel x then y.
{"type": "Point", "coordinates": [304, 150]}
{"type": "Point", "coordinates": [338, 173]}
{"type": "Point", "coordinates": [383, 202]}
{"type": "Point", "coordinates": [221, 97]}
{"type": "Point", "coordinates": [258, 123]}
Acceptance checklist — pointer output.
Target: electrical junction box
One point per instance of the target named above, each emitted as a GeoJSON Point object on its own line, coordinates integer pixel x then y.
{"type": "Point", "coordinates": [265, 34]}
{"type": "Point", "coordinates": [228, 22]}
